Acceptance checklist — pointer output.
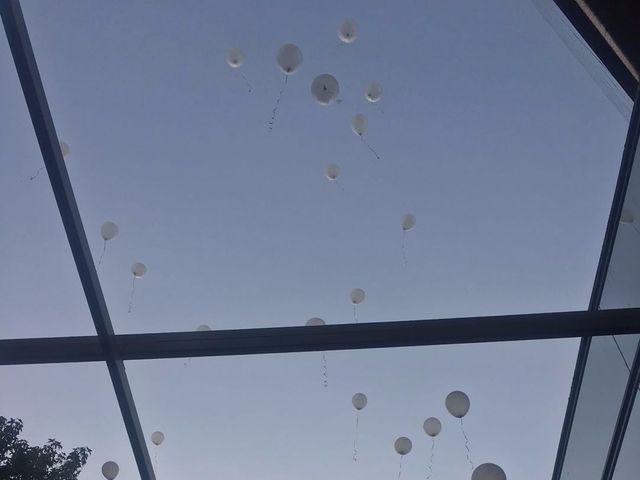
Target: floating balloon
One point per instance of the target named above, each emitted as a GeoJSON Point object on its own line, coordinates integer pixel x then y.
{"type": "Point", "coordinates": [325, 89]}
{"type": "Point", "coordinates": [108, 231]}
{"type": "Point", "coordinates": [357, 296]}
{"type": "Point", "coordinates": [315, 322]}
{"type": "Point", "coordinates": [347, 32]}
{"type": "Point", "coordinates": [138, 270]}
{"type": "Point", "coordinates": [457, 403]}
{"type": "Point", "coordinates": [488, 471]}
{"type": "Point", "coordinates": [402, 445]}
{"type": "Point", "coordinates": [110, 470]}
{"type": "Point", "coordinates": [359, 124]}
{"type": "Point", "coordinates": [289, 58]}
{"type": "Point", "coordinates": [373, 93]}
{"type": "Point", "coordinates": [64, 148]}
{"type": "Point", "coordinates": [626, 217]}
{"type": "Point", "coordinates": [203, 328]}
{"type": "Point", "coordinates": [432, 426]}
{"type": "Point", "coordinates": [408, 222]}
{"type": "Point", "coordinates": [157, 438]}
{"type": "Point", "coordinates": [234, 58]}
{"type": "Point", "coordinates": [359, 401]}
{"type": "Point", "coordinates": [332, 171]}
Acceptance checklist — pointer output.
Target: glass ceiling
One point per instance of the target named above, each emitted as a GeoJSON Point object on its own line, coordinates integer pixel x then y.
{"type": "Point", "coordinates": [489, 131]}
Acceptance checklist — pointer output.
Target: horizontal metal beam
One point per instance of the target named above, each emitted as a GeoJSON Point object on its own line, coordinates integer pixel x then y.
{"type": "Point", "coordinates": [328, 337]}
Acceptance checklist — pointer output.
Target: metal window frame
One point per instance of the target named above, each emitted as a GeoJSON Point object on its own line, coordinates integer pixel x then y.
{"type": "Point", "coordinates": [114, 349]}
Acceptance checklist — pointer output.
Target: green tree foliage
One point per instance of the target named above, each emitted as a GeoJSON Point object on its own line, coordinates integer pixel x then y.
{"type": "Point", "coordinates": [20, 461]}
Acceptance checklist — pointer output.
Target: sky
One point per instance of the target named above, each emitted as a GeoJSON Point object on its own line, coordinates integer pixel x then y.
{"type": "Point", "coordinates": [489, 131]}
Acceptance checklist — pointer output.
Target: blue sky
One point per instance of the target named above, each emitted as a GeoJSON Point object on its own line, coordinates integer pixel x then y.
{"type": "Point", "coordinates": [489, 131]}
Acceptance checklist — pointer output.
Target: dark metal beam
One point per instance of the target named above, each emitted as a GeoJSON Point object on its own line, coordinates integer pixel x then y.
{"type": "Point", "coordinates": [42, 120]}
{"type": "Point", "coordinates": [620, 193]}
{"type": "Point", "coordinates": [328, 337]}
{"type": "Point", "coordinates": [605, 53]}
{"type": "Point", "coordinates": [628, 401]}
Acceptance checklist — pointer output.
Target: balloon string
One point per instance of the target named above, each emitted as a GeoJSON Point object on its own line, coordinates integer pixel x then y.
{"type": "Point", "coordinates": [35, 175]}
{"type": "Point", "coordinates": [369, 147]}
{"type": "Point", "coordinates": [155, 466]}
{"type": "Point", "coordinates": [133, 289]}
{"type": "Point", "coordinates": [324, 370]}
{"type": "Point", "coordinates": [104, 248]}
{"type": "Point", "coordinates": [433, 445]}
{"type": "Point", "coordinates": [355, 314]}
{"type": "Point", "coordinates": [404, 252]}
{"type": "Point", "coordinates": [187, 363]}
{"type": "Point", "coordinates": [247, 82]}
{"type": "Point", "coordinates": [275, 109]}
{"type": "Point", "coordinates": [466, 444]}
{"type": "Point", "coordinates": [355, 438]}
{"type": "Point", "coordinates": [400, 469]}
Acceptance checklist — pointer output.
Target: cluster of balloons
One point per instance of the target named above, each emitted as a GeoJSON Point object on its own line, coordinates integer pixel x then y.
{"type": "Point", "coordinates": [111, 469]}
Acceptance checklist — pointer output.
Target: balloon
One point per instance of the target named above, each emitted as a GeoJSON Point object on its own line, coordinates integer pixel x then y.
{"type": "Point", "coordinates": [315, 322]}
{"type": "Point", "coordinates": [408, 222]}
{"type": "Point", "coordinates": [157, 438]}
{"type": "Point", "coordinates": [325, 89]}
{"type": "Point", "coordinates": [347, 32]}
{"type": "Point", "coordinates": [234, 58]}
{"type": "Point", "coordinates": [108, 230]}
{"type": "Point", "coordinates": [457, 403]}
{"type": "Point", "coordinates": [359, 401]}
{"type": "Point", "coordinates": [626, 217]}
{"type": "Point", "coordinates": [203, 328]}
{"type": "Point", "coordinates": [138, 270]}
{"type": "Point", "coordinates": [488, 471]}
{"type": "Point", "coordinates": [359, 124]}
{"type": "Point", "coordinates": [289, 58]}
{"type": "Point", "coordinates": [110, 470]}
{"type": "Point", "coordinates": [65, 149]}
{"type": "Point", "coordinates": [332, 171]}
{"type": "Point", "coordinates": [403, 445]}
{"type": "Point", "coordinates": [432, 426]}
{"type": "Point", "coordinates": [373, 93]}
{"type": "Point", "coordinates": [357, 296]}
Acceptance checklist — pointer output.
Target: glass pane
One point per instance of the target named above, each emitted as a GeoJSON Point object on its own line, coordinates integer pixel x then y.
{"type": "Point", "coordinates": [74, 404]}
{"type": "Point", "coordinates": [40, 292]}
{"type": "Point", "coordinates": [270, 416]}
{"type": "Point", "coordinates": [629, 462]}
{"type": "Point", "coordinates": [489, 131]}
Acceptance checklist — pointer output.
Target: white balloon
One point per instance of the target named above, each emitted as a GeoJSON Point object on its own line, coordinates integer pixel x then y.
{"type": "Point", "coordinates": [138, 270]}
{"type": "Point", "coordinates": [157, 438]}
{"type": "Point", "coordinates": [315, 322]}
{"type": "Point", "coordinates": [203, 328]}
{"type": "Point", "coordinates": [488, 471]}
{"type": "Point", "coordinates": [325, 89]}
{"type": "Point", "coordinates": [403, 445]}
{"type": "Point", "coordinates": [626, 217]}
{"type": "Point", "coordinates": [289, 58]}
{"type": "Point", "coordinates": [357, 296]}
{"type": "Point", "coordinates": [234, 58]}
{"type": "Point", "coordinates": [347, 31]}
{"type": "Point", "coordinates": [110, 470]}
{"type": "Point", "coordinates": [457, 403]}
{"type": "Point", "coordinates": [359, 124]}
{"type": "Point", "coordinates": [373, 93]}
{"type": "Point", "coordinates": [332, 171]}
{"type": "Point", "coordinates": [408, 221]}
{"type": "Point", "coordinates": [108, 230]}
{"type": "Point", "coordinates": [65, 149]}
{"type": "Point", "coordinates": [432, 426]}
{"type": "Point", "coordinates": [359, 401]}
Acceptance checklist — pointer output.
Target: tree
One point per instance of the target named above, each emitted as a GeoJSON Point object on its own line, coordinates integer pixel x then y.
{"type": "Point", "coordinates": [20, 461]}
